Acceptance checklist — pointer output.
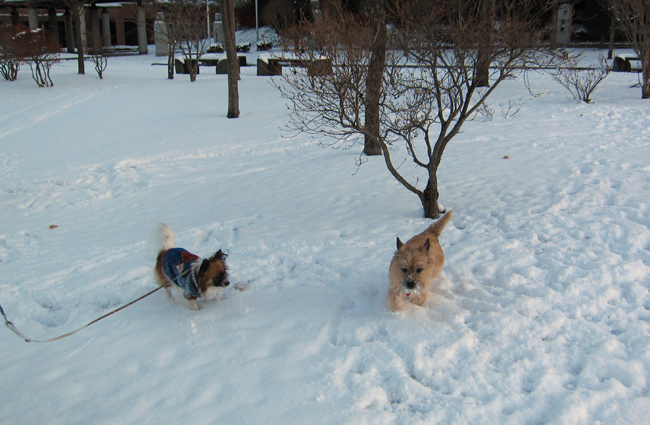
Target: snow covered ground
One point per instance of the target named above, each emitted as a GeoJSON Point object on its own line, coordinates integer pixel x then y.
{"type": "Point", "coordinates": [542, 315]}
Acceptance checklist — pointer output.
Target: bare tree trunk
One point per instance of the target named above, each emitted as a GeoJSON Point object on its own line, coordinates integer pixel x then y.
{"type": "Point", "coordinates": [373, 84]}
{"type": "Point", "coordinates": [646, 77]}
{"type": "Point", "coordinates": [554, 25]}
{"type": "Point", "coordinates": [228, 12]}
{"type": "Point", "coordinates": [81, 69]}
{"type": "Point", "coordinates": [612, 31]}
{"type": "Point", "coordinates": [430, 195]}
{"type": "Point", "coordinates": [170, 63]}
{"type": "Point", "coordinates": [482, 69]}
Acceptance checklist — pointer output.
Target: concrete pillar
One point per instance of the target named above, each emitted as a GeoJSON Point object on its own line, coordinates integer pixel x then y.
{"type": "Point", "coordinates": [54, 24]}
{"type": "Point", "coordinates": [217, 29]}
{"type": "Point", "coordinates": [142, 31]}
{"type": "Point", "coordinates": [564, 16]}
{"type": "Point", "coordinates": [32, 15]}
{"type": "Point", "coordinates": [95, 34]}
{"type": "Point", "coordinates": [69, 32]}
{"type": "Point", "coordinates": [84, 33]}
{"type": "Point", "coordinates": [161, 35]}
{"type": "Point", "coordinates": [106, 28]}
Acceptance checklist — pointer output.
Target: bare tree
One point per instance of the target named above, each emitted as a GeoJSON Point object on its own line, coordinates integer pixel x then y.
{"type": "Point", "coordinates": [634, 17]}
{"type": "Point", "coordinates": [185, 28]}
{"type": "Point", "coordinates": [164, 29]}
{"type": "Point", "coordinates": [77, 9]}
{"type": "Point", "coordinates": [431, 83]}
{"type": "Point", "coordinates": [100, 60]}
{"type": "Point", "coordinates": [228, 17]}
{"type": "Point", "coordinates": [581, 82]}
{"type": "Point", "coordinates": [376, 67]}
{"type": "Point", "coordinates": [347, 26]}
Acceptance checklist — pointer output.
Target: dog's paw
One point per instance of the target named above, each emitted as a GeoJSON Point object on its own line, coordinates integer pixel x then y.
{"type": "Point", "coordinates": [193, 306]}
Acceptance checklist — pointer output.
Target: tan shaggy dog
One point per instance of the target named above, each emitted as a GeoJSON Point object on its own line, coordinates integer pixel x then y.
{"type": "Point", "coordinates": [415, 265]}
{"type": "Point", "coordinates": [180, 269]}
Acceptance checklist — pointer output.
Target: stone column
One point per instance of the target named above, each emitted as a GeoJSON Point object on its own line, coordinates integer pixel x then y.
{"type": "Point", "coordinates": [217, 30]}
{"type": "Point", "coordinates": [32, 15]}
{"type": "Point", "coordinates": [161, 35]}
{"type": "Point", "coordinates": [142, 31]}
{"type": "Point", "coordinates": [84, 35]}
{"type": "Point", "coordinates": [69, 34]}
{"type": "Point", "coordinates": [106, 28]}
{"type": "Point", "coordinates": [95, 40]}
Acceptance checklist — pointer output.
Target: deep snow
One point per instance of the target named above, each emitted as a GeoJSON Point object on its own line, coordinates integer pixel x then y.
{"type": "Point", "coordinates": [542, 315]}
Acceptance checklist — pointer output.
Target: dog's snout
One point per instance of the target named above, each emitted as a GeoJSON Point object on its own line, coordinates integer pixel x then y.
{"type": "Point", "coordinates": [410, 284]}
{"type": "Point", "coordinates": [226, 283]}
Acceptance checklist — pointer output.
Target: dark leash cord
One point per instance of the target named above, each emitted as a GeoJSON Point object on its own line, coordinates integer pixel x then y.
{"type": "Point", "coordinates": [17, 332]}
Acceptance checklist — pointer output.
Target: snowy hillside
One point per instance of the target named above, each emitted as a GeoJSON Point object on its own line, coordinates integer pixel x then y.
{"type": "Point", "coordinates": [543, 310]}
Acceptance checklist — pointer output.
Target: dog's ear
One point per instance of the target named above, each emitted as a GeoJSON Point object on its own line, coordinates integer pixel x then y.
{"type": "Point", "coordinates": [399, 245]}
{"type": "Point", "coordinates": [219, 255]}
{"type": "Point", "coordinates": [205, 264]}
{"type": "Point", "coordinates": [426, 246]}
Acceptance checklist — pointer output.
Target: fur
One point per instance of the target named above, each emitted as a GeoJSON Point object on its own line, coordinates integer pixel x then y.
{"type": "Point", "coordinates": [211, 274]}
{"type": "Point", "coordinates": [415, 266]}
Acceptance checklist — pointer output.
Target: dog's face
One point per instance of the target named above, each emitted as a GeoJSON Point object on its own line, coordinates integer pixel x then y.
{"type": "Point", "coordinates": [416, 264]}
{"type": "Point", "coordinates": [213, 272]}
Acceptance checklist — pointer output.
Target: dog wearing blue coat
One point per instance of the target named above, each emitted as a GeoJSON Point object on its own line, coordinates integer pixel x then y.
{"type": "Point", "coordinates": [197, 278]}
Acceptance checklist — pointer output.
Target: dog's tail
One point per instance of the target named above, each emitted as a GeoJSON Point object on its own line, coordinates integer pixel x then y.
{"type": "Point", "coordinates": [167, 238]}
{"type": "Point", "coordinates": [437, 227]}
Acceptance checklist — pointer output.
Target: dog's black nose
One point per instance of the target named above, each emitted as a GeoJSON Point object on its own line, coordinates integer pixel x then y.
{"type": "Point", "coordinates": [226, 283]}
{"type": "Point", "coordinates": [410, 284]}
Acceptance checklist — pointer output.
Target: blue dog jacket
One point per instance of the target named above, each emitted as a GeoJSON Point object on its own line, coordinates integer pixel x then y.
{"type": "Point", "coordinates": [177, 265]}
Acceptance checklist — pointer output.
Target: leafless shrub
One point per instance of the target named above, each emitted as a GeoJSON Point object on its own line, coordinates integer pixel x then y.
{"type": "Point", "coordinates": [9, 56]}
{"type": "Point", "coordinates": [512, 110]}
{"type": "Point", "coordinates": [40, 51]}
{"type": "Point", "coordinates": [581, 82]}
{"type": "Point", "coordinates": [101, 62]}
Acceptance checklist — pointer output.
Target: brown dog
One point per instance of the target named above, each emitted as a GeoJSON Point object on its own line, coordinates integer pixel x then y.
{"type": "Point", "coordinates": [415, 265]}
{"type": "Point", "coordinates": [198, 278]}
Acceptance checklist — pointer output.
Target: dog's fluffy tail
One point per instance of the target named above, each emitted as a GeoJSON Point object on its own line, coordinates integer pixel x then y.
{"type": "Point", "coordinates": [437, 227]}
{"type": "Point", "coordinates": [167, 239]}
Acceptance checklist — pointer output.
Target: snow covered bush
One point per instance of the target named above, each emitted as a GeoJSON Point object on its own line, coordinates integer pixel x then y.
{"type": "Point", "coordinates": [216, 48]}
{"type": "Point", "coordinates": [244, 48]}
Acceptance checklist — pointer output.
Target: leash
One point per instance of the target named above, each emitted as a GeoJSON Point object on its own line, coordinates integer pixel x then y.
{"type": "Point", "coordinates": [17, 332]}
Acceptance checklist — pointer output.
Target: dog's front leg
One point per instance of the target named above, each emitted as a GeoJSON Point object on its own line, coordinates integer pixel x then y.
{"type": "Point", "coordinates": [396, 302]}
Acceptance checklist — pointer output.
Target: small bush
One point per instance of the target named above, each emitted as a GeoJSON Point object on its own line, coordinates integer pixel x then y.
{"type": "Point", "coordinates": [216, 48]}
{"type": "Point", "coordinates": [40, 50]}
{"type": "Point", "coordinates": [101, 62]}
{"type": "Point", "coordinates": [580, 82]}
{"type": "Point", "coordinates": [244, 48]}
{"type": "Point", "coordinates": [9, 56]}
